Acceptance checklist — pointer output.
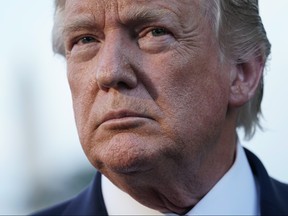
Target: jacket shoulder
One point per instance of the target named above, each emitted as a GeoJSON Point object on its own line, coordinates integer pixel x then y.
{"type": "Point", "coordinates": [54, 210]}
{"type": "Point", "coordinates": [273, 194]}
{"type": "Point", "coordinates": [89, 202]}
{"type": "Point", "coordinates": [281, 190]}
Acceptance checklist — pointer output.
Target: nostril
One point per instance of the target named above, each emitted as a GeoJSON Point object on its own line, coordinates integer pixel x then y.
{"type": "Point", "coordinates": [118, 83]}
{"type": "Point", "coordinates": [115, 73]}
{"type": "Point", "coordinates": [123, 85]}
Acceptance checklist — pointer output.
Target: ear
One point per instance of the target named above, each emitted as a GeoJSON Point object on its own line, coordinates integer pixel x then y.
{"type": "Point", "coordinates": [245, 78]}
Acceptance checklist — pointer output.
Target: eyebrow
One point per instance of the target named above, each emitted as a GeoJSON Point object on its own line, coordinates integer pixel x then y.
{"type": "Point", "coordinates": [80, 23]}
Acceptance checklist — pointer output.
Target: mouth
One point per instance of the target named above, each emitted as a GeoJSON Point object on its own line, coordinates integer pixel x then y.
{"type": "Point", "coordinates": [131, 171]}
{"type": "Point", "coordinates": [123, 119]}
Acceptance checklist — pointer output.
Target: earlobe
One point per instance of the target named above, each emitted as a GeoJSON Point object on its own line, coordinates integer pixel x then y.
{"type": "Point", "coordinates": [245, 78]}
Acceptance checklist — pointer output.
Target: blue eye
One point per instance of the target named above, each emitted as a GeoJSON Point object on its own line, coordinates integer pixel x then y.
{"type": "Point", "coordinates": [159, 32]}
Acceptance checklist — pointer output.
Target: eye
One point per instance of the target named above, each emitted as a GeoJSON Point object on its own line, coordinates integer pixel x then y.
{"type": "Point", "coordinates": [155, 39]}
{"type": "Point", "coordinates": [82, 47]}
{"type": "Point", "coordinates": [86, 40]}
{"type": "Point", "coordinates": [159, 32]}
{"type": "Point", "coordinates": [154, 32]}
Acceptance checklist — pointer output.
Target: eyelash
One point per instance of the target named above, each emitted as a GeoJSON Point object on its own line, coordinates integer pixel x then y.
{"type": "Point", "coordinates": [87, 38]}
{"type": "Point", "coordinates": [82, 38]}
{"type": "Point", "coordinates": [153, 29]}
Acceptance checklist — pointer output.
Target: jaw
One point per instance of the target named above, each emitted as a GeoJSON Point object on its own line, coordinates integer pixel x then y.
{"type": "Point", "coordinates": [162, 195]}
{"type": "Point", "coordinates": [178, 186]}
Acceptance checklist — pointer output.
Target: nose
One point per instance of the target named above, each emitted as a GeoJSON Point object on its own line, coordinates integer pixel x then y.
{"type": "Point", "coordinates": [114, 67]}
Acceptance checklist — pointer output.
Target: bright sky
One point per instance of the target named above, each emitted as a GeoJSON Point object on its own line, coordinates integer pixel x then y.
{"type": "Point", "coordinates": [37, 131]}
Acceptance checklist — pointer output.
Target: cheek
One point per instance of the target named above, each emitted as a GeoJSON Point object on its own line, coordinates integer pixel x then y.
{"type": "Point", "coordinates": [80, 78]}
{"type": "Point", "coordinates": [192, 94]}
{"type": "Point", "coordinates": [83, 89]}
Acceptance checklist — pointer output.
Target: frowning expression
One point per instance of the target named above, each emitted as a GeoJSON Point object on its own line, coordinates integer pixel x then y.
{"type": "Point", "coordinates": [149, 91]}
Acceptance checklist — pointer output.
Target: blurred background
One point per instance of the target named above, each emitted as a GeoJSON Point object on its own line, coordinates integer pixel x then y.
{"type": "Point", "coordinates": [41, 161]}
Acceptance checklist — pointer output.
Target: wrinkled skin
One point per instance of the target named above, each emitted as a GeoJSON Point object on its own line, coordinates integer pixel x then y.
{"type": "Point", "coordinates": [152, 100]}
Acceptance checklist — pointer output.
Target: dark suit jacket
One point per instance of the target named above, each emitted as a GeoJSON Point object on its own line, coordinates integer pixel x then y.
{"type": "Point", "coordinates": [273, 196]}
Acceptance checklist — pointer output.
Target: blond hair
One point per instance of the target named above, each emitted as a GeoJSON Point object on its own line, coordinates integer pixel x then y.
{"type": "Point", "coordinates": [241, 36]}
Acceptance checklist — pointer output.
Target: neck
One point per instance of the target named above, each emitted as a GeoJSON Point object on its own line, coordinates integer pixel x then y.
{"type": "Point", "coordinates": [179, 191]}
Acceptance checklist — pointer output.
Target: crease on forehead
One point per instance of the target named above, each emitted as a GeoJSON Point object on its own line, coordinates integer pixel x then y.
{"type": "Point", "coordinates": [80, 16]}
{"type": "Point", "coordinates": [127, 9]}
{"type": "Point", "coordinates": [145, 12]}
{"type": "Point", "coordinates": [91, 14]}
{"type": "Point", "coordinates": [149, 9]}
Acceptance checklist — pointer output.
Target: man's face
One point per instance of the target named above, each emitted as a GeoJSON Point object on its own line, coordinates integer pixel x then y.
{"type": "Point", "coordinates": [149, 92]}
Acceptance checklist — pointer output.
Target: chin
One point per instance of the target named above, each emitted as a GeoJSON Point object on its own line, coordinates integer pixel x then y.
{"type": "Point", "coordinates": [125, 154]}
{"type": "Point", "coordinates": [129, 161]}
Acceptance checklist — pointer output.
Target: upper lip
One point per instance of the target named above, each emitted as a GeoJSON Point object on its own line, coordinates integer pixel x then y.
{"type": "Point", "coordinates": [121, 114]}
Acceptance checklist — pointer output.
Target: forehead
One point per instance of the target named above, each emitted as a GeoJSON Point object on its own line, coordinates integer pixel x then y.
{"type": "Point", "coordinates": [101, 9]}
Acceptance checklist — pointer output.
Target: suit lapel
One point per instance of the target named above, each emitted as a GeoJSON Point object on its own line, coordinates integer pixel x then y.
{"type": "Point", "coordinates": [273, 194]}
{"type": "Point", "coordinates": [89, 202]}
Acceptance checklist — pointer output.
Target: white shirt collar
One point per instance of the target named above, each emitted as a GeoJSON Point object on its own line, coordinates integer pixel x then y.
{"type": "Point", "coordinates": [235, 193]}
{"type": "Point", "coordinates": [118, 202]}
